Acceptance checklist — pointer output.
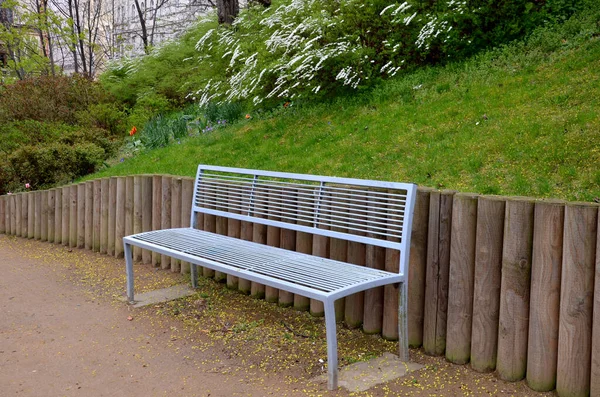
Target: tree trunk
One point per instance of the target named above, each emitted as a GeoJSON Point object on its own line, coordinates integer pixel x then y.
{"type": "Point", "coordinates": [80, 36]}
{"type": "Point", "coordinates": [143, 24]}
{"type": "Point", "coordinates": [73, 46]}
{"type": "Point", "coordinates": [227, 10]}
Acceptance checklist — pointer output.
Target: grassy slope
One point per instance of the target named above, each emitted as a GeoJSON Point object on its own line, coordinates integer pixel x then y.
{"type": "Point", "coordinates": [507, 123]}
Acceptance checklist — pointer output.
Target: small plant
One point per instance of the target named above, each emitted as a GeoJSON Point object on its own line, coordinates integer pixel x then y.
{"type": "Point", "coordinates": [247, 326]}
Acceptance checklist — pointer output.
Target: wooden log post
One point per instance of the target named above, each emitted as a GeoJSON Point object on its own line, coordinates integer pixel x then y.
{"type": "Point", "coordinates": [44, 214]}
{"type": "Point", "coordinates": [21, 222]}
{"type": "Point", "coordinates": [18, 216]}
{"type": "Point", "coordinates": [37, 213]}
{"type": "Point", "coordinates": [14, 219]}
{"type": "Point", "coordinates": [373, 298]}
{"type": "Point", "coordinates": [128, 199]}
{"type": "Point", "coordinates": [137, 214]}
{"type": "Point", "coordinates": [31, 214]}
{"type": "Point", "coordinates": [147, 213]}
{"type": "Point", "coordinates": [176, 186]}
{"type": "Point", "coordinates": [514, 289]}
{"type": "Point", "coordinates": [165, 215]}
{"type": "Point", "coordinates": [26, 215]}
{"type": "Point", "coordinates": [112, 215]}
{"type": "Point", "coordinates": [209, 224]}
{"type": "Point", "coordinates": [3, 214]}
{"type": "Point", "coordinates": [97, 211]}
{"type": "Point", "coordinates": [437, 272]}
{"type": "Point", "coordinates": [287, 237]}
{"type": "Point", "coordinates": [58, 216]}
{"type": "Point", "coordinates": [259, 235]}
{"type": "Point", "coordinates": [73, 219]}
{"type": "Point", "coordinates": [576, 300]}
{"type": "Point", "coordinates": [198, 221]}
{"type": "Point", "coordinates": [389, 324]}
{"type": "Point", "coordinates": [320, 244]}
{"type": "Point", "coordinates": [80, 215]}
{"type": "Point", "coordinates": [129, 215]}
{"type": "Point", "coordinates": [417, 268]}
{"type": "Point", "coordinates": [338, 250]}
{"type": "Point", "coordinates": [9, 213]}
{"type": "Point", "coordinates": [546, 266]}
{"type": "Point", "coordinates": [89, 215]}
{"type": "Point", "coordinates": [416, 275]}
{"type": "Point", "coordinates": [595, 372]}
{"type": "Point", "coordinates": [120, 216]}
{"type": "Point", "coordinates": [187, 194]}
{"type": "Point", "coordinates": [66, 214]}
{"type": "Point", "coordinates": [221, 225]}
{"type": "Point", "coordinates": [156, 213]}
{"type": "Point", "coordinates": [105, 199]}
{"type": "Point", "coordinates": [273, 238]}
{"type": "Point", "coordinates": [52, 215]}
{"type": "Point", "coordinates": [461, 280]}
{"type": "Point", "coordinates": [234, 227]}
{"type": "Point", "coordinates": [486, 289]}
{"type": "Point", "coordinates": [303, 240]}
{"type": "Point", "coordinates": [357, 255]}
{"type": "Point", "coordinates": [244, 285]}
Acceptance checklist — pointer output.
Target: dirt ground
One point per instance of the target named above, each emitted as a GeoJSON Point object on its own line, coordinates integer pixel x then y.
{"type": "Point", "coordinates": [63, 332]}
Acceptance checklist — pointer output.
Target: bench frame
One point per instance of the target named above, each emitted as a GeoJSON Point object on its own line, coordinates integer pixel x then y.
{"type": "Point", "coordinates": [210, 200]}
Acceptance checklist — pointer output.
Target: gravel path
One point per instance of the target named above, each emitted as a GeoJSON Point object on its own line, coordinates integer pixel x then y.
{"type": "Point", "coordinates": [59, 339]}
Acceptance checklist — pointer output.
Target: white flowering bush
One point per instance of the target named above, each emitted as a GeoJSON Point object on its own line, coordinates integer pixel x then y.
{"type": "Point", "coordinates": [307, 48]}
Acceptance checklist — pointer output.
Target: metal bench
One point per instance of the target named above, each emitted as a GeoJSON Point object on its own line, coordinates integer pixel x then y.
{"type": "Point", "coordinates": [369, 212]}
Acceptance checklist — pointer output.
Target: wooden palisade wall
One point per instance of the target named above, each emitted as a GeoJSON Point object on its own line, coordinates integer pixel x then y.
{"type": "Point", "coordinates": [506, 283]}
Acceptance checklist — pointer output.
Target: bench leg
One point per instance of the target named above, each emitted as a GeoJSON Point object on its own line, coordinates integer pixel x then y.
{"type": "Point", "coordinates": [332, 361]}
{"type": "Point", "coordinates": [403, 323]}
{"type": "Point", "coordinates": [129, 267]}
{"type": "Point", "coordinates": [194, 275]}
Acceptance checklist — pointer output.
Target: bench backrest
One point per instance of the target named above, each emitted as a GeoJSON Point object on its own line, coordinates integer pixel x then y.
{"type": "Point", "coordinates": [364, 211]}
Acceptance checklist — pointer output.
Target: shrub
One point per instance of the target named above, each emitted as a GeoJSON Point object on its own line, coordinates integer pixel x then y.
{"type": "Point", "coordinates": [470, 26]}
{"type": "Point", "coordinates": [55, 129]}
{"type": "Point", "coordinates": [43, 166]}
{"type": "Point", "coordinates": [49, 98]}
{"type": "Point", "coordinates": [309, 50]}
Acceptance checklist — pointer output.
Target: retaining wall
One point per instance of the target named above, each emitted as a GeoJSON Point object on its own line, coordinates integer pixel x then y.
{"type": "Point", "coordinates": [506, 283]}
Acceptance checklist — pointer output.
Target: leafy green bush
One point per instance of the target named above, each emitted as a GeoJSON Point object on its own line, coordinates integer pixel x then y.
{"type": "Point", "coordinates": [55, 129]}
{"type": "Point", "coordinates": [43, 166]}
{"type": "Point", "coordinates": [156, 133]}
{"type": "Point", "coordinates": [49, 98]}
{"type": "Point", "coordinates": [228, 112]}
{"type": "Point", "coordinates": [470, 26]}
{"type": "Point", "coordinates": [307, 50]}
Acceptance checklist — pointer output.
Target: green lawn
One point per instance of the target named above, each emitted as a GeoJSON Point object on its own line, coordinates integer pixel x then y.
{"type": "Point", "coordinates": [505, 123]}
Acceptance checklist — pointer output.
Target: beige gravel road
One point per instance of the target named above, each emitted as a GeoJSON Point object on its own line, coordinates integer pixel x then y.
{"type": "Point", "coordinates": [58, 339]}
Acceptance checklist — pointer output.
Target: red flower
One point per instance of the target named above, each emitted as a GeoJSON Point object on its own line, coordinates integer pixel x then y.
{"type": "Point", "coordinates": [248, 116]}
{"type": "Point", "coordinates": [133, 131]}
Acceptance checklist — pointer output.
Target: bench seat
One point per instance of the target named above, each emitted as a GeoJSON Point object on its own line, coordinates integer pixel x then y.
{"type": "Point", "coordinates": [304, 274]}
{"type": "Point", "coordinates": [376, 213]}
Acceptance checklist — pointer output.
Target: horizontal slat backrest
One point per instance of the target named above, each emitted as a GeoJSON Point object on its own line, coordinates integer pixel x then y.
{"type": "Point", "coordinates": [370, 212]}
